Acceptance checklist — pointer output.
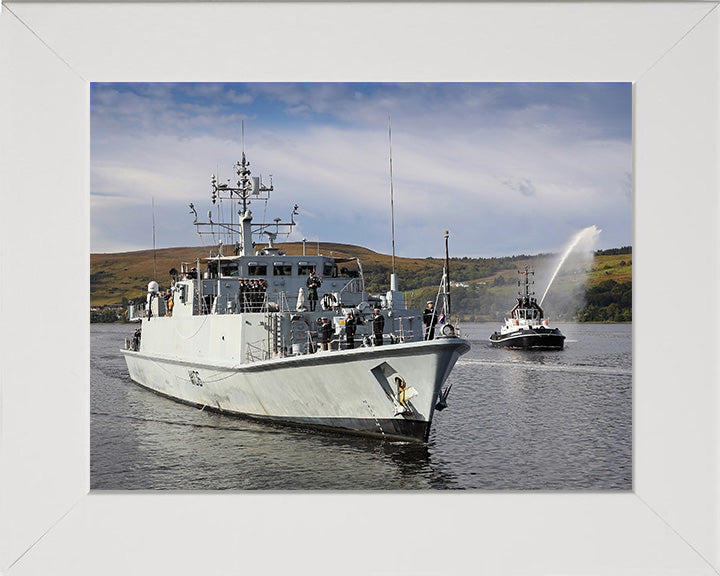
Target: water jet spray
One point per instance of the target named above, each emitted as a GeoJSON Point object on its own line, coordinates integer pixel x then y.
{"type": "Point", "coordinates": [583, 240]}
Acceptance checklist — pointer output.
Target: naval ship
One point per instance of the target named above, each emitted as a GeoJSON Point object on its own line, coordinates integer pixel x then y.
{"type": "Point", "coordinates": [527, 327]}
{"type": "Point", "coordinates": [292, 339]}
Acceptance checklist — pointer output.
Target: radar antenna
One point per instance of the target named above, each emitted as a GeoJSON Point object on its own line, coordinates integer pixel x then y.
{"type": "Point", "coordinates": [246, 189]}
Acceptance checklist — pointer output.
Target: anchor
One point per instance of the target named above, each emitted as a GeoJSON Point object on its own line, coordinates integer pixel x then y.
{"type": "Point", "coordinates": [384, 373]}
{"type": "Point", "coordinates": [442, 399]}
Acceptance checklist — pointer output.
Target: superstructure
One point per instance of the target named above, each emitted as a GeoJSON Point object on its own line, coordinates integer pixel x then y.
{"type": "Point", "coordinates": [297, 339]}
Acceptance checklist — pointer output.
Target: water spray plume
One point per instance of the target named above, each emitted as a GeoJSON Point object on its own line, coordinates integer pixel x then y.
{"type": "Point", "coordinates": [585, 241]}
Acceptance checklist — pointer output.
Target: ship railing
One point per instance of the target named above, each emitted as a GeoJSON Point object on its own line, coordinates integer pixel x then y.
{"type": "Point", "coordinates": [283, 303]}
{"type": "Point", "coordinates": [364, 337]}
{"type": "Point", "coordinates": [354, 286]}
{"type": "Point", "coordinates": [132, 343]}
{"type": "Point", "coordinates": [251, 302]}
{"type": "Point", "coordinates": [256, 352]}
{"type": "Point", "coordinates": [400, 335]}
{"type": "Point", "coordinates": [403, 333]}
{"type": "Point", "coordinates": [312, 345]}
{"type": "Point", "coordinates": [337, 342]}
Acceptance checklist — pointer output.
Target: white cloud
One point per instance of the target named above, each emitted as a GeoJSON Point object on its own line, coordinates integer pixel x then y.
{"type": "Point", "coordinates": [505, 178]}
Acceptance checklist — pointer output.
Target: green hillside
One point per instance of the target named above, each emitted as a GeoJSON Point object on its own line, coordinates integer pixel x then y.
{"type": "Point", "coordinates": [487, 291]}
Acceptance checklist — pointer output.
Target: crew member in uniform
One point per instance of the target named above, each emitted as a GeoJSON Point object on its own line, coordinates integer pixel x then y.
{"type": "Point", "coordinates": [378, 324]}
{"type": "Point", "coordinates": [325, 334]}
{"type": "Point", "coordinates": [350, 327]}
{"type": "Point", "coordinates": [254, 295]}
{"type": "Point", "coordinates": [244, 295]}
{"type": "Point", "coordinates": [313, 283]}
{"type": "Point", "coordinates": [136, 340]}
{"type": "Point", "coordinates": [429, 319]}
{"type": "Point", "coordinates": [261, 293]}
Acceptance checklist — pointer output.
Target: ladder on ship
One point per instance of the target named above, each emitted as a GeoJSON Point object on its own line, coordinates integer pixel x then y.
{"type": "Point", "coordinates": [275, 341]}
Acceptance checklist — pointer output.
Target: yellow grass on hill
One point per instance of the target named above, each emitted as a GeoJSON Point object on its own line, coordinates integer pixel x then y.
{"type": "Point", "coordinates": [126, 275]}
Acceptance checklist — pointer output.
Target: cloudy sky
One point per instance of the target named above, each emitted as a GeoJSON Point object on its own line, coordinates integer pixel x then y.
{"type": "Point", "coordinates": [507, 168]}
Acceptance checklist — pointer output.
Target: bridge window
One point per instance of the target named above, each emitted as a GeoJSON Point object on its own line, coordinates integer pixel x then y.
{"type": "Point", "coordinates": [305, 269]}
{"type": "Point", "coordinates": [230, 270]}
{"type": "Point", "coordinates": [282, 269]}
{"type": "Point", "coordinates": [255, 269]}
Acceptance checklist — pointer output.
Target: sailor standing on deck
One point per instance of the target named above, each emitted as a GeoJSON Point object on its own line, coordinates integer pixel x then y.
{"type": "Point", "coordinates": [254, 296]}
{"type": "Point", "coordinates": [313, 283]}
{"type": "Point", "coordinates": [378, 324]}
{"type": "Point", "coordinates": [350, 326]}
{"type": "Point", "coordinates": [241, 295]}
{"type": "Point", "coordinates": [136, 340]}
{"type": "Point", "coordinates": [325, 334]}
{"type": "Point", "coordinates": [429, 319]}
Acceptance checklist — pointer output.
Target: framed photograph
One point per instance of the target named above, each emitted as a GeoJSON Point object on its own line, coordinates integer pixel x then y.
{"type": "Point", "coordinates": [50, 520]}
{"type": "Point", "coordinates": [527, 185]}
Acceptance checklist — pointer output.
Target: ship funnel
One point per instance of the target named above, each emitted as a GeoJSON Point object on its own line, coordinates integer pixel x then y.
{"type": "Point", "coordinates": [393, 282]}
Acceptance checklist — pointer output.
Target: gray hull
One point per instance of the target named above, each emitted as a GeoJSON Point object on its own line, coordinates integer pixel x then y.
{"type": "Point", "coordinates": [353, 391]}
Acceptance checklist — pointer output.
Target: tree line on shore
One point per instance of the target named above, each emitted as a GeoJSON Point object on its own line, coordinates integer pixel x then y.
{"type": "Point", "coordinates": [608, 301]}
{"type": "Point", "coordinates": [487, 287]}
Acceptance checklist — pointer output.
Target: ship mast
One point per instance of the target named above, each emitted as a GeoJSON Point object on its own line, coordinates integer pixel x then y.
{"type": "Point", "coordinates": [447, 276]}
{"type": "Point", "coordinates": [246, 189]}
{"type": "Point", "coordinates": [526, 283]}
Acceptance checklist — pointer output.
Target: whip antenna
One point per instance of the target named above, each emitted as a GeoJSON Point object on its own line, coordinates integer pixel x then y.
{"type": "Point", "coordinates": [393, 276]}
{"type": "Point", "coordinates": [154, 254]}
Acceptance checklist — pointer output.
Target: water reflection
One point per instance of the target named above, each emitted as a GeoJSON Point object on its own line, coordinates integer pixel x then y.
{"type": "Point", "coordinates": [515, 420]}
{"type": "Point", "coordinates": [172, 446]}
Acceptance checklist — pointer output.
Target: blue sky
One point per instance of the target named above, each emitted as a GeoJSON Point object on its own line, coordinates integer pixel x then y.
{"type": "Point", "coordinates": [507, 168]}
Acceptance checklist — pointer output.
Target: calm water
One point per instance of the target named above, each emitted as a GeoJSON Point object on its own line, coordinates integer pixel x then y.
{"type": "Point", "coordinates": [515, 420]}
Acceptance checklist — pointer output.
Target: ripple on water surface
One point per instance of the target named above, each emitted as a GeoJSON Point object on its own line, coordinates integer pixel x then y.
{"type": "Point", "coordinates": [516, 420]}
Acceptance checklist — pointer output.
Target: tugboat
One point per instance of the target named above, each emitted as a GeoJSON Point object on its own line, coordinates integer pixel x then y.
{"type": "Point", "coordinates": [527, 327]}
{"type": "Point", "coordinates": [296, 340]}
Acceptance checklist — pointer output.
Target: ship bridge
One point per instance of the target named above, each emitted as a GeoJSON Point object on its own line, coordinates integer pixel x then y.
{"type": "Point", "coordinates": [272, 282]}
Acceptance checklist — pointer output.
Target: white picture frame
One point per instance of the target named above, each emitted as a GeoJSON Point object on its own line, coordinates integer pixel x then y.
{"type": "Point", "coordinates": [49, 520]}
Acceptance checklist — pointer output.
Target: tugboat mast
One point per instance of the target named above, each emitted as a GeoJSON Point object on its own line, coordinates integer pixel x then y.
{"type": "Point", "coordinates": [526, 282]}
